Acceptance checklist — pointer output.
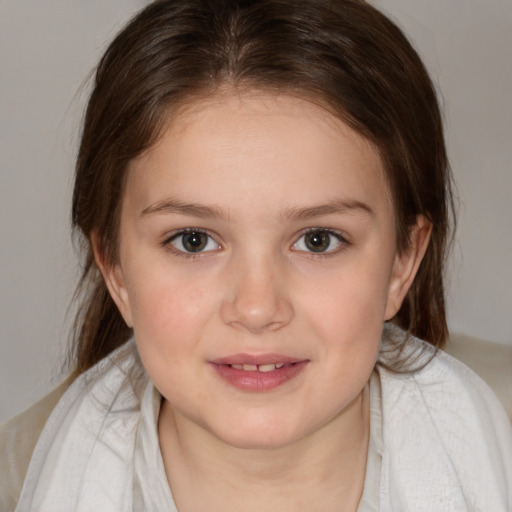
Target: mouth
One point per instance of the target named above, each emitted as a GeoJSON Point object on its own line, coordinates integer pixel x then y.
{"type": "Point", "coordinates": [260, 373]}
{"type": "Point", "coordinates": [259, 367]}
{"type": "Point", "coordinates": [264, 368]}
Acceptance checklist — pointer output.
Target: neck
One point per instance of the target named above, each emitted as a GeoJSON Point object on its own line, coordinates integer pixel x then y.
{"type": "Point", "coordinates": [323, 471]}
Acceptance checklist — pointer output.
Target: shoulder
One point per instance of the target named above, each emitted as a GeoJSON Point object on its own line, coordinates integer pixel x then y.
{"type": "Point", "coordinates": [117, 380]}
{"type": "Point", "coordinates": [18, 438]}
{"type": "Point", "coordinates": [490, 360]}
{"type": "Point", "coordinates": [437, 379]}
{"type": "Point", "coordinates": [446, 423]}
{"type": "Point", "coordinates": [453, 393]}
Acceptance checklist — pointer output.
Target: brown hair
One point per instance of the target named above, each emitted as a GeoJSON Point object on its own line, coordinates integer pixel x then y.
{"type": "Point", "coordinates": [342, 53]}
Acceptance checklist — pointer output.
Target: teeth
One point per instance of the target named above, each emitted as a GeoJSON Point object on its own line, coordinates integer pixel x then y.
{"type": "Point", "coordinates": [254, 368]}
{"type": "Point", "coordinates": [266, 367]}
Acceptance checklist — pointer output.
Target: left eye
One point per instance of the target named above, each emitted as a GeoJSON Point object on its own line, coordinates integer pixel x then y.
{"type": "Point", "coordinates": [193, 241]}
{"type": "Point", "coordinates": [319, 241]}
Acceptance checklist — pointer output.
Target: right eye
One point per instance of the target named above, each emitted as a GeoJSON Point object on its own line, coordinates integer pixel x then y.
{"type": "Point", "coordinates": [193, 241]}
{"type": "Point", "coordinates": [320, 241]}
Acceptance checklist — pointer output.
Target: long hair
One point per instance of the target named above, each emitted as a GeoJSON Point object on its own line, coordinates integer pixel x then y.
{"type": "Point", "coordinates": [344, 54]}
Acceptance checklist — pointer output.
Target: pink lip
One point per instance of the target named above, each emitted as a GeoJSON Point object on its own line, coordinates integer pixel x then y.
{"type": "Point", "coordinates": [256, 359]}
{"type": "Point", "coordinates": [256, 380]}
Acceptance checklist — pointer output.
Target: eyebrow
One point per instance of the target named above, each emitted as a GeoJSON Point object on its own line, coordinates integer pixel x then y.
{"type": "Point", "coordinates": [330, 208]}
{"type": "Point", "coordinates": [172, 206]}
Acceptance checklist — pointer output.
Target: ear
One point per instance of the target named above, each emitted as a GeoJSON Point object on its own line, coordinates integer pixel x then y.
{"type": "Point", "coordinates": [406, 265]}
{"type": "Point", "coordinates": [114, 280]}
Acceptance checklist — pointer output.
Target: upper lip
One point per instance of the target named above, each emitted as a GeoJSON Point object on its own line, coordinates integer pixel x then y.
{"type": "Point", "coordinates": [259, 359]}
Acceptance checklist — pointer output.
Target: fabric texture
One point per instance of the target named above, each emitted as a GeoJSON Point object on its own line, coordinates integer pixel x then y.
{"type": "Point", "coordinates": [18, 438]}
{"type": "Point", "coordinates": [439, 441]}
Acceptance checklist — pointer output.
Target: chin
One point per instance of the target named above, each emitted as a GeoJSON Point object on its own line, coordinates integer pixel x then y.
{"type": "Point", "coordinates": [257, 442]}
{"type": "Point", "coordinates": [257, 435]}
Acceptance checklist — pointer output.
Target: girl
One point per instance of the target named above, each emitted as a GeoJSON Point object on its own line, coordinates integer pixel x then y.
{"type": "Point", "coordinates": [264, 198]}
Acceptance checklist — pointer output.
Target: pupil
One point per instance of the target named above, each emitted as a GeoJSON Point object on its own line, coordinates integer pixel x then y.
{"type": "Point", "coordinates": [194, 242]}
{"type": "Point", "coordinates": [318, 241]}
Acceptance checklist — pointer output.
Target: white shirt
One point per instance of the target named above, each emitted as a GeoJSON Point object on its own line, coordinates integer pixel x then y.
{"type": "Point", "coordinates": [439, 441]}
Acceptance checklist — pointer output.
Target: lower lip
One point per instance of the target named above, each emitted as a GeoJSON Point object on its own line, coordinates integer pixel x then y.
{"type": "Point", "coordinates": [258, 381]}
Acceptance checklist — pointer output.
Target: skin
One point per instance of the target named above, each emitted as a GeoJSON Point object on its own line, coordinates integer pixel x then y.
{"type": "Point", "coordinates": [255, 171]}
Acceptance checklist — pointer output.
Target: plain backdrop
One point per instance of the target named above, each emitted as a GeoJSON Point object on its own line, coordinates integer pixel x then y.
{"type": "Point", "coordinates": [49, 47]}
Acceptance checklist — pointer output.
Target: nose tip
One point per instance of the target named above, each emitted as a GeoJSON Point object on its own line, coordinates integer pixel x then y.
{"type": "Point", "coordinates": [254, 318]}
{"type": "Point", "coordinates": [257, 305]}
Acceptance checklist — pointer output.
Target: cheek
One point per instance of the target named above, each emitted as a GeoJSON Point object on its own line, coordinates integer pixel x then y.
{"type": "Point", "coordinates": [353, 297]}
{"type": "Point", "coordinates": [168, 311]}
{"type": "Point", "coordinates": [169, 323]}
{"type": "Point", "coordinates": [347, 314]}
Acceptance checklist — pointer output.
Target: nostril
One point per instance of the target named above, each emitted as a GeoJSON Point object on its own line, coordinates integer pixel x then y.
{"type": "Point", "coordinates": [256, 305]}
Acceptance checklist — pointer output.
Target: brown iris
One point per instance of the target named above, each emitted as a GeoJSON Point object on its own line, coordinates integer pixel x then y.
{"type": "Point", "coordinates": [194, 241]}
{"type": "Point", "coordinates": [318, 241]}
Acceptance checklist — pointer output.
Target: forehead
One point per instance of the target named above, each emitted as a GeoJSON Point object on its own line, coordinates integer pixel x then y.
{"type": "Point", "coordinates": [279, 148]}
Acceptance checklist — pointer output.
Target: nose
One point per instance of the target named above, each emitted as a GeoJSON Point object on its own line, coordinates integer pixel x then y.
{"type": "Point", "coordinates": [257, 298]}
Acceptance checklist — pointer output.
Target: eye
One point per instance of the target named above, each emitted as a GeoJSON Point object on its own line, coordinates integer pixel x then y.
{"type": "Point", "coordinates": [319, 241]}
{"type": "Point", "coordinates": [193, 241]}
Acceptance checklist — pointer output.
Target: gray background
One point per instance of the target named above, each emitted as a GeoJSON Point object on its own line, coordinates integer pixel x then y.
{"type": "Point", "coordinates": [48, 47]}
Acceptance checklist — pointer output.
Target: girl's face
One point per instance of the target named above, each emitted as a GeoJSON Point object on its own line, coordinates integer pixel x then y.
{"type": "Point", "coordinates": [257, 266]}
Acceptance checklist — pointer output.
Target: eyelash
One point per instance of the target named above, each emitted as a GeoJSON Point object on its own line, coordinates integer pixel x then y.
{"type": "Point", "coordinates": [167, 243]}
{"type": "Point", "coordinates": [343, 243]}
